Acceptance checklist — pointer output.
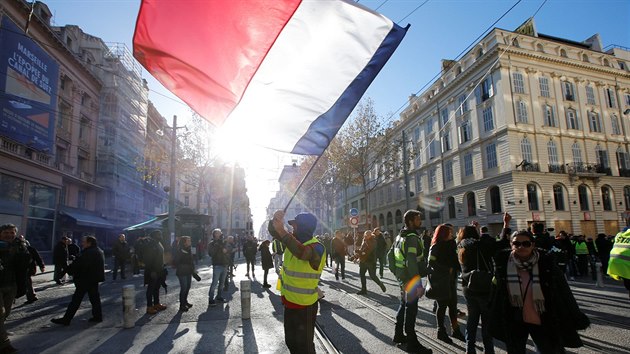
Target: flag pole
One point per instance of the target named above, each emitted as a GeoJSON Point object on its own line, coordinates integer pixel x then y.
{"type": "Point", "coordinates": [308, 173]}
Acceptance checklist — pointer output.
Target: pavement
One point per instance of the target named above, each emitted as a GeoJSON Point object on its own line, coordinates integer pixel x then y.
{"type": "Point", "coordinates": [348, 319]}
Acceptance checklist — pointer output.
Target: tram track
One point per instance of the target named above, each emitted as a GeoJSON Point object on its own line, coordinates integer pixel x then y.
{"type": "Point", "coordinates": [323, 338]}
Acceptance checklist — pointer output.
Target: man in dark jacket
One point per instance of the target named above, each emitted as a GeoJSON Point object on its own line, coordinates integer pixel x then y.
{"type": "Point", "coordinates": [381, 251]}
{"type": "Point", "coordinates": [14, 260]}
{"type": "Point", "coordinates": [542, 239]}
{"type": "Point", "coordinates": [151, 253]}
{"type": "Point", "coordinates": [36, 261]}
{"type": "Point", "coordinates": [60, 259]}
{"type": "Point", "coordinates": [121, 255]}
{"type": "Point", "coordinates": [88, 269]}
{"type": "Point", "coordinates": [218, 251]}
{"type": "Point", "coordinates": [604, 246]}
{"type": "Point", "coordinates": [250, 248]}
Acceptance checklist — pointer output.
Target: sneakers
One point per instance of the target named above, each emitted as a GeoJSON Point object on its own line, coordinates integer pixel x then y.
{"type": "Point", "coordinates": [60, 321]}
{"type": "Point", "coordinates": [160, 307]}
{"type": "Point", "coordinates": [188, 304]}
{"type": "Point", "coordinates": [212, 303]}
{"type": "Point", "coordinates": [266, 285]}
{"type": "Point", "coordinates": [247, 275]}
{"type": "Point", "coordinates": [151, 310]}
{"type": "Point", "coordinates": [30, 301]}
{"type": "Point", "coordinates": [444, 337]}
{"type": "Point", "coordinates": [362, 292]}
{"type": "Point", "coordinates": [399, 339]}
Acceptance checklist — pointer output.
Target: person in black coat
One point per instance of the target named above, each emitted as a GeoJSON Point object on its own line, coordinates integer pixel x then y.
{"type": "Point", "coordinates": [534, 298]}
{"type": "Point", "coordinates": [152, 255]}
{"type": "Point", "coordinates": [250, 248]}
{"type": "Point", "coordinates": [604, 246]}
{"type": "Point", "coordinates": [475, 254]}
{"type": "Point", "coordinates": [121, 253]}
{"type": "Point", "coordinates": [266, 260]}
{"type": "Point", "coordinates": [445, 266]}
{"type": "Point", "coordinates": [185, 270]}
{"type": "Point", "coordinates": [60, 260]}
{"type": "Point", "coordinates": [88, 269]}
{"type": "Point", "coordinates": [36, 261]}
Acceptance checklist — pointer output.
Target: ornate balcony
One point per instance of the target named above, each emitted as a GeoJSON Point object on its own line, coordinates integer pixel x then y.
{"type": "Point", "coordinates": [527, 166]}
{"type": "Point", "coordinates": [581, 169]}
{"type": "Point", "coordinates": [557, 169]}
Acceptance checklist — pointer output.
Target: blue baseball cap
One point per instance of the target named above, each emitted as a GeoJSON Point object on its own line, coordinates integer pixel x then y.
{"type": "Point", "coordinates": [306, 223]}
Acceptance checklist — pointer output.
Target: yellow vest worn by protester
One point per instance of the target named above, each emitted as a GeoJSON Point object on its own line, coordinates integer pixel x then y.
{"type": "Point", "coordinates": [619, 263]}
{"type": "Point", "coordinates": [580, 248]}
{"type": "Point", "coordinates": [299, 279]}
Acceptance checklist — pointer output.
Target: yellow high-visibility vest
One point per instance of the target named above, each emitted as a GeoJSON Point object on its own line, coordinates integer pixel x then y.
{"type": "Point", "coordinates": [619, 263]}
{"type": "Point", "coordinates": [299, 279]}
{"type": "Point", "coordinates": [580, 248]}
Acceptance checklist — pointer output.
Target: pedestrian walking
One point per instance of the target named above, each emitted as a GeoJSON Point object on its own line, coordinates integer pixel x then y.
{"type": "Point", "coordinates": [277, 248]}
{"type": "Point", "coordinates": [304, 259]}
{"type": "Point", "coordinates": [15, 260]}
{"type": "Point", "coordinates": [184, 270]}
{"type": "Point", "coordinates": [230, 246]}
{"type": "Point", "coordinates": [88, 270]}
{"type": "Point", "coordinates": [349, 239]}
{"type": "Point", "coordinates": [366, 255]}
{"type": "Point", "coordinates": [409, 261]}
{"type": "Point", "coordinates": [36, 261]}
{"type": "Point", "coordinates": [340, 251]}
{"type": "Point", "coordinates": [60, 260]}
{"type": "Point", "coordinates": [151, 252]}
{"type": "Point", "coordinates": [475, 258]}
{"type": "Point", "coordinates": [445, 268]}
{"type": "Point", "coordinates": [381, 250]}
{"type": "Point", "coordinates": [250, 248]}
{"type": "Point", "coordinates": [218, 251]}
{"type": "Point", "coordinates": [265, 260]}
{"type": "Point", "coordinates": [533, 299]}
{"type": "Point", "coordinates": [327, 241]}
{"type": "Point", "coordinates": [122, 254]}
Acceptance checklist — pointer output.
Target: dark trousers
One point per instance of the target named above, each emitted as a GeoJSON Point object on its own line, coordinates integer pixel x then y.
{"type": "Point", "coordinates": [79, 293]}
{"type": "Point", "coordinates": [545, 343]}
{"type": "Point", "coordinates": [251, 261]}
{"type": "Point", "coordinates": [451, 303]}
{"type": "Point", "coordinates": [382, 260]}
{"type": "Point", "coordinates": [60, 271]}
{"type": "Point", "coordinates": [582, 263]}
{"type": "Point", "coordinates": [341, 263]}
{"type": "Point", "coordinates": [153, 290]}
{"type": "Point", "coordinates": [30, 292]}
{"type": "Point", "coordinates": [478, 306]}
{"type": "Point", "coordinates": [371, 269]}
{"type": "Point", "coordinates": [265, 276]}
{"type": "Point", "coordinates": [184, 287]}
{"type": "Point", "coordinates": [299, 328]}
{"type": "Point", "coordinates": [119, 263]}
{"type": "Point", "coordinates": [406, 319]}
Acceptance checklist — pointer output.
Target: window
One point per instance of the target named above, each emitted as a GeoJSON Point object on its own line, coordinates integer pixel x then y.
{"type": "Point", "coordinates": [594, 122]}
{"type": "Point", "coordinates": [471, 204]}
{"type": "Point", "coordinates": [495, 200]}
{"type": "Point", "coordinates": [626, 196]}
{"type": "Point", "coordinates": [186, 201]}
{"type": "Point", "coordinates": [623, 161]}
{"type": "Point", "coordinates": [526, 150]}
{"type": "Point", "coordinates": [590, 95]}
{"type": "Point", "coordinates": [444, 115]}
{"type": "Point", "coordinates": [577, 153]}
{"type": "Point", "coordinates": [614, 122]}
{"type": "Point", "coordinates": [543, 82]}
{"type": "Point", "coordinates": [558, 196]}
{"type": "Point", "coordinates": [563, 53]}
{"type": "Point", "coordinates": [462, 105]}
{"type": "Point", "coordinates": [610, 98]}
{"type": "Point", "coordinates": [552, 151]}
{"type": "Point", "coordinates": [519, 85]}
{"type": "Point", "coordinates": [540, 48]}
{"type": "Point", "coordinates": [428, 128]}
{"type": "Point", "coordinates": [487, 89]}
{"type": "Point", "coordinates": [622, 65]}
{"type": "Point", "coordinates": [521, 112]}
{"type": "Point", "coordinates": [82, 198]}
{"type": "Point", "coordinates": [446, 142]}
{"type": "Point", "coordinates": [549, 113]}
{"type": "Point", "coordinates": [627, 99]}
{"type": "Point", "coordinates": [418, 159]}
{"type": "Point", "coordinates": [418, 178]}
{"type": "Point", "coordinates": [491, 156]}
{"type": "Point", "coordinates": [468, 165]}
{"type": "Point", "coordinates": [585, 58]}
{"type": "Point", "coordinates": [567, 88]}
{"type": "Point", "coordinates": [532, 196]}
{"type": "Point", "coordinates": [583, 198]}
{"type": "Point", "coordinates": [488, 122]}
{"type": "Point", "coordinates": [601, 156]}
{"type": "Point", "coordinates": [572, 120]}
{"type": "Point", "coordinates": [607, 199]}
{"type": "Point", "coordinates": [465, 132]}
{"type": "Point", "coordinates": [432, 149]}
{"type": "Point", "coordinates": [448, 171]}
{"type": "Point", "coordinates": [432, 178]}
{"type": "Point", "coordinates": [451, 208]}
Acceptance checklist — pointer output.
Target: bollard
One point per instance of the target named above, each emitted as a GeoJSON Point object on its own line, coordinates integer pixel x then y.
{"type": "Point", "coordinates": [600, 277]}
{"type": "Point", "coordinates": [246, 298]}
{"type": "Point", "coordinates": [129, 306]}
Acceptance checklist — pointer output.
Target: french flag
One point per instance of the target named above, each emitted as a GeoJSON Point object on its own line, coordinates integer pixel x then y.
{"type": "Point", "coordinates": [288, 72]}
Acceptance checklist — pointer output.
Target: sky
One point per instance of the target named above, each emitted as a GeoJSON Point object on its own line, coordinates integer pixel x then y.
{"type": "Point", "coordinates": [440, 29]}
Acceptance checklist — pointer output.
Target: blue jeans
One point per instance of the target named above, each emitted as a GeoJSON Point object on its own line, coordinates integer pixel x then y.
{"type": "Point", "coordinates": [218, 279]}
{"type": "Point", "coordinates": [406, 318]}
{"type": "Point", "coordinates": [184, 287]}
{"type": "Point", "coordinates": [478, 307]}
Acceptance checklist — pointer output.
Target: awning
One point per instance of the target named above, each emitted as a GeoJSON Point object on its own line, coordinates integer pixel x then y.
{"type": "Point", "coordinates": [155, 223]}
{"type": "Point", "coordinates": [86, 218]}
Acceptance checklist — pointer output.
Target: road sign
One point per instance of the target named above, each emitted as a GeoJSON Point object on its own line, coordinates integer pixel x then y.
{"type": "Point", "coordinates": [354, 222]}
{"type": "Point", "coordinates": [354, 212]}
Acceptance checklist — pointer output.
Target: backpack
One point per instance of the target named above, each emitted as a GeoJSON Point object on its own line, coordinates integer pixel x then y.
{"type": "Point", "coordinates": [401, 273]}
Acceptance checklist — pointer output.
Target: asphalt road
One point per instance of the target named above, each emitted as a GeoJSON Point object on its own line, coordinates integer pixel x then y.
{"type": "Point", "coordinates": [353, 323]}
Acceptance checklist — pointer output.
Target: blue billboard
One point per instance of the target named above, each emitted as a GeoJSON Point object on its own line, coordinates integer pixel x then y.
{"type": "Point", "coordinates": [28, 89]}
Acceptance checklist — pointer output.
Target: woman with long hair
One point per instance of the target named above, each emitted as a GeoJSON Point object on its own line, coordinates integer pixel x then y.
{"type": "Point", "coordinates": [445, 266]}
{"type": "Point", "coordinates": [475, 255]}
{"type": "Point", "coordinates": [533, 299]}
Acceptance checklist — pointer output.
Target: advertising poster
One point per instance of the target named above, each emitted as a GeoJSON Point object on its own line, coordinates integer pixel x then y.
{"type": "Point", "coordinates": [28, 89]}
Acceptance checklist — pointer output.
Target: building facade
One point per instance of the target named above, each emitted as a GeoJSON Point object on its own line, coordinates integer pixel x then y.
{"type": "Point", "coordinates": [524, 123]}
